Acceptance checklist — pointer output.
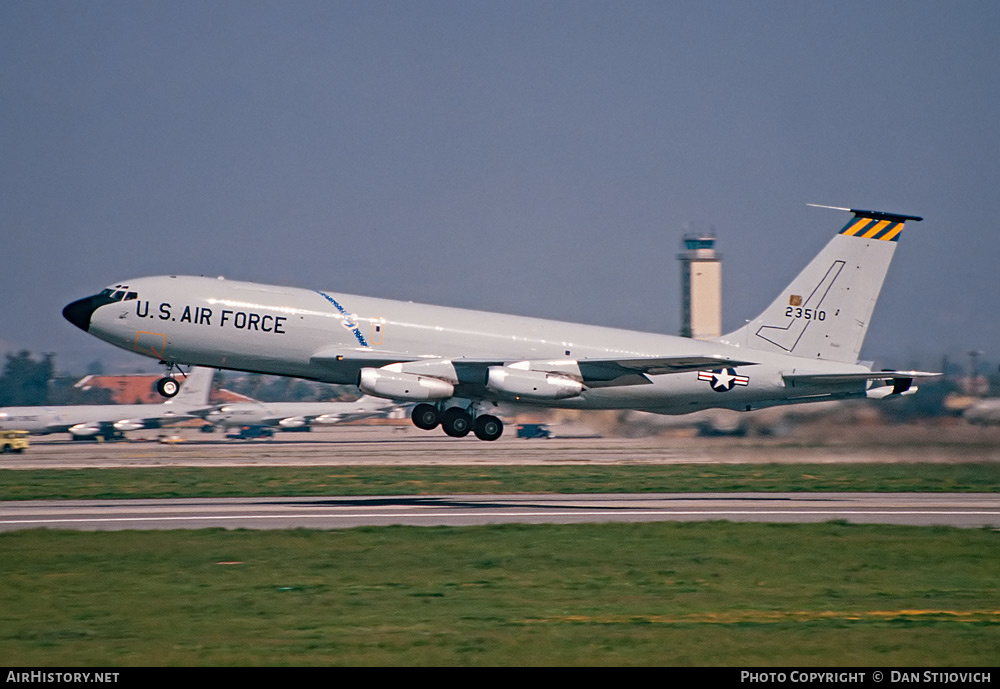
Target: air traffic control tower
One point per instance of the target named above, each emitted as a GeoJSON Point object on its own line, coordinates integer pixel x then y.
{"type": "Point", "coordinates": [701, 287]}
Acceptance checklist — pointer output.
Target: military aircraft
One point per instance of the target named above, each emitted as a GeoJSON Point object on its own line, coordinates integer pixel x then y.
{"type": "Point", "coordinates": [296, 414]}
{"type": "Point", "coordinates": [84, 421]}
{"type": "Point", "coordinates": [984, 412]}
{"type": "Point", "coordinates": [462, 365]}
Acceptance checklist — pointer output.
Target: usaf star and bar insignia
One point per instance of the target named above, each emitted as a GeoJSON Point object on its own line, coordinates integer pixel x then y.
{"type": "Point", "coordinates": [723, 379]}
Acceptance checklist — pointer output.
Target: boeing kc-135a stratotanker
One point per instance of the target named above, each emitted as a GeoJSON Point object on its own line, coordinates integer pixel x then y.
{"type": "Point", "coordinates": [463, 366]}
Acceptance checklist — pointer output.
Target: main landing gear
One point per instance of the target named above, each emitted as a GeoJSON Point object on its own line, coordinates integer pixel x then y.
{"type": "Point", "coordinates": [457, 422]}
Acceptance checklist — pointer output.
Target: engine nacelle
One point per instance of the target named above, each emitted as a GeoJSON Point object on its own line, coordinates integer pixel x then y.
{"type": "Point", "coordinates": [128, 425]}
{"type": "Point", "coordinates": [293, 422]}
{"type": "Point", "coordinates": [84, 430]}
{"type": "Point", "coordinates": [884, 391]}
{"type": "Point", "coordinates": [533, 384]}
{"type": "Point", "coordinates": [403, 386]}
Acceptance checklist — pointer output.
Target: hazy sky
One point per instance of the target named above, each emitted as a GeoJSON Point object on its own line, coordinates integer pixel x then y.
{"type": "Point", "coordinates": [532, 157]}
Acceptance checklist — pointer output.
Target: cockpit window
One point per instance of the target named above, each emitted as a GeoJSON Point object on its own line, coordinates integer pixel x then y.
{"type": "Point", "coordinates": [118, 293]}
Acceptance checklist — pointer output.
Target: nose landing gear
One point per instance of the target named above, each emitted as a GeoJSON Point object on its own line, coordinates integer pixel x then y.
{"type": "Point", "coordinates": [168, 386]}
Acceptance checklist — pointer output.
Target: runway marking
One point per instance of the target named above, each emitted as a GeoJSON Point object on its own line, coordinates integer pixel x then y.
{"type": "Point", "coordinates": [771, 616]}
{"type": "Point", "coordinates": [604, 514]}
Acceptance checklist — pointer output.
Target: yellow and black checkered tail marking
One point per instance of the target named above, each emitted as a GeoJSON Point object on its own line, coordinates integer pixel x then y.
{"type": "Point", "coordinates": [876, 225]}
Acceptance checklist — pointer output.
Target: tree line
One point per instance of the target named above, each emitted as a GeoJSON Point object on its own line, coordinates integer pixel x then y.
{"type": "Point", "coordinates": [29, 381]}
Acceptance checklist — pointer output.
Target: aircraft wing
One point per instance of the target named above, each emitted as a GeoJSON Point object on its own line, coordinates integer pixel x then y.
{"type": "Point", "coordinates": [295, 420]}
{"type": "Point", "coordinates": [597, 371]}
{"type": "Point", "coordinates": [185, 413]}
{"type": "Point", "coordinates": [52, 428]}
{"type": "Point", "coordinates": [361, 355]}
{"type": "Point", "coordinates": [594, 372]}
{"type": "Point", "coordinates": [156, 419]}
{"type": "Point", "coordinates": [341, 417]}
{"type": "Point", "coordinates": [358, 358]}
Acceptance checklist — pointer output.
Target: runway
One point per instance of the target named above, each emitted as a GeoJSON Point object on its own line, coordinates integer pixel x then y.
{"type": "Point", "coordinates": [408, 446]}
{"type": "Point", "coordinates": [382, 446]}
{"type": "Point", "coordinates": [961, 510]}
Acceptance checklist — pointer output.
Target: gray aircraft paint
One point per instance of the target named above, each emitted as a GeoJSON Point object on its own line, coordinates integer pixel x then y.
{"type": "Point", "coordinates": [802, 348]}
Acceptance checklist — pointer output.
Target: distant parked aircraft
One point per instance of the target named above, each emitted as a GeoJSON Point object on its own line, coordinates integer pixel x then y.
{"type": "Point", "coordinates": [985, 412]}
{"type": "Point", "coordinates": [110, 420]}
{"type": "Point", "coordinates": [296, 414]}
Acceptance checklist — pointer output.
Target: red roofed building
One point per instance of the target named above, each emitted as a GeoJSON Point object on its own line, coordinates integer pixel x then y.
{"type": "Point", "coordinates": [140, 388]}
{"type": "Point", "coordinates": [127, 389]}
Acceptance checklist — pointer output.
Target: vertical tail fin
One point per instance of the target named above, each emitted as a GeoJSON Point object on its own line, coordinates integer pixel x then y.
{"type": "Point", "coordinates": [824, 313]}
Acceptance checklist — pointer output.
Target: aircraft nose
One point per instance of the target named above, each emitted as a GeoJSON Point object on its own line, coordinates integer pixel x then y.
{"type": "Point", "coordinates": [79, 312]}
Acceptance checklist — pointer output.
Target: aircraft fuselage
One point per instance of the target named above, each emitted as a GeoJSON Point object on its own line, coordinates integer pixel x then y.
{"type": "Point", "coordinates": [329, 336]}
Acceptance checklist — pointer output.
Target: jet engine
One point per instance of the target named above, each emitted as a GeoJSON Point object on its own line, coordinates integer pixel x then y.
{"type": "Point", "coordinates": [293, 422]}
{"type": "Point", "coordinates": [85, 430]}
{"type": "Point", "coordinates": [403, 386]}
{"type": "Point", "coordinates": [129, 425]}
{"type": "Point", "coordinates": [534, 384]}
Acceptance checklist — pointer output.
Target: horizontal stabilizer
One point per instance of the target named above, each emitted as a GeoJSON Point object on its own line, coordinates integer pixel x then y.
{"type": "Point", "coordinates": [796, 379]}
{"type": "Point", "coordinates": [874, 215]}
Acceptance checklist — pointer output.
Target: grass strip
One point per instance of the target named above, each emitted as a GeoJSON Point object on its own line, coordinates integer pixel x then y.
{"type": "Point", "coordinates": [597, 594]}
{"type": "Point", "coordinates": [168, 482]}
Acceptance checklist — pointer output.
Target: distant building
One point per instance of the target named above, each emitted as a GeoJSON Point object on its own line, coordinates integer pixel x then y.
{"type": "Point", "coordinates": [140, 388]}
{"type": "Point", "coordinates": [125, 389]}
{"type": "Point", "coordinates": [701, 287]}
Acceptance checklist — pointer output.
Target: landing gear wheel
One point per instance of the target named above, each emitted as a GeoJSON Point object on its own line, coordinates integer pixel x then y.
{"type": "Point", "coordinates": [487, 427]}
{"type": "Point", "coordinates": [425, 416]}
{"type": "Point", "coordinates": [168, 387]}
{"type": "Point", "coordinates": [456, 422]}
